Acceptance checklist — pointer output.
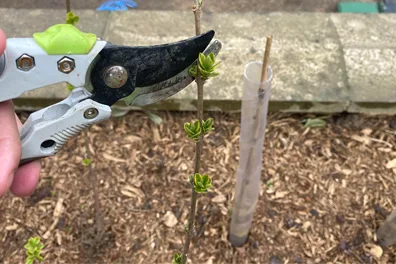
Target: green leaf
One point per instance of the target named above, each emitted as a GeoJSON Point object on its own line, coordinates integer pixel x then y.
{"type": "Point", "coordinates": [205, 179]}
{"type": "Point", "coordinates": [33, 250]}
{"type": "Point", "coordinates": [315, 123]}
{"type": "Point", "coordinates": [215, 66]}
{"type": "Point", "coordinates": [206, 66]}
{"type": "Point", "coordinates": [71, 18]}
{"type": "Point", "coordinates": [191, 179]}
{"type": "Point", "coordinates": [202, 183]}
{"type": "Point", "coordinates": [87, 162]}
{"type": "Point", "coordinates": [214, 74]}
{"type": "Point", "coordinates": [29, 247]}
{"type": "Point", "coordinates": [205, 73]}
{"type": "Point", "coordinates": [269, 184]}
{"type": "Point", "coordinates": [40, 246]}
{"type": "Point", "coordinates": [193, 71]}
{"type": "Point", "coordinates": [70, 87]}
{"type": "Point", "coordinates": [208, 125]}
{"type": "Point", "coordinates": [187, 128]}
{"type": "Point", "coordinates": [177, 258]}
{"type": "Point", "coordinates": [193, 130]}
{"type": "Point", "coordinates": [212, 57]}
{"type": "Point", "coordinates": [155, 118]}
{"type": "Point", "coordinates": [202, 58]}
{"type": "Point", "coordinates": [196, 125]}
{"type": "Point", "coordinates": [197, 178]}
{"type": "Point", "coordinates": [29, 260]}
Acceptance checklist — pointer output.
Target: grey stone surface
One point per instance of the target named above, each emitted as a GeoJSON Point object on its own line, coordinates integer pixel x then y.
{"type": "Point", "coordinates": [306, 55]}
{"type": "Point", "coordinates": [371, 74]}
{"type": "Point", "coordinates": [366, 31]}
{"type": "Point", "coordinates": [321, 62]}
{"type": "Point", "coordinates": [370, 57]}
{"type": "Point", "coordinates": [25, 22]}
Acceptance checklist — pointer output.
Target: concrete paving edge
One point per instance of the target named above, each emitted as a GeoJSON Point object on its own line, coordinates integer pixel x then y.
{"type": "Point", "coordinates": [323, 63]}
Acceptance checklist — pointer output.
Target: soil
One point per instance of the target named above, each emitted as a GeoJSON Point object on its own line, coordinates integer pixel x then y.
{"type": "Point", "coordinates": [213, 6]}
{"type": "Point", "coordinates": [324, 192]}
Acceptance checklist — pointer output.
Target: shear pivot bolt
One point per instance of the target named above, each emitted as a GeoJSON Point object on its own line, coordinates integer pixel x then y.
{"type": "Point", "coordinates": [115, 76]}
{"type": "Point", "coordinates": [25, 62]}
{"type": "Point", "coordinates": [66, 65]}
{"type": "Point", "coordinates": [91, 113]}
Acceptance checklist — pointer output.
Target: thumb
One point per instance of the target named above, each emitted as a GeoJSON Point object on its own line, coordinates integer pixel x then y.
{"type": "Point", "coordinates": [2, 42]}
{"type": "Point", "coordinates": [10, 147]}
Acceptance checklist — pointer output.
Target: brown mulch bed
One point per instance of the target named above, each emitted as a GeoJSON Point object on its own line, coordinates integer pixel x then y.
{"type": "Point", "coordinates": [324, 192]}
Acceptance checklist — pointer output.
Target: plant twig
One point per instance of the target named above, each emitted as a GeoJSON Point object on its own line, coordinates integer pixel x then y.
{"type": "Point", "coordinates": [68, 6]}
{"type": "Point", "coordinates": [198, 147]}
{"type": "Point", "coordinates": [266, 59]}
{"type": "Point", "coordinates": [93, 180]}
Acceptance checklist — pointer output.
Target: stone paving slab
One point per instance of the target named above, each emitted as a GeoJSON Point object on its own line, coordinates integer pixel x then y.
{"type": "Point", "coordinates": [25, 22]}
{"type": "Point", "coordinates": [318, 62]}
{"type": "Point", "coordinates": [370, 56]}
{"type": "Point", "coordinates": [366, 31]}
{"type": "Point", "coordinates": [306, 55]}
{"type": "Point", "coordinates": [371, 75]}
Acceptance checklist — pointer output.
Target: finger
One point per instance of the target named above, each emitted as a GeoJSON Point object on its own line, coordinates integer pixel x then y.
{"type": "Point", "coordinates": [10, 148]}
{"type": "Point", "coordinates": [2, 42]}
{"type": "Point", "coordinates": [26, 179]}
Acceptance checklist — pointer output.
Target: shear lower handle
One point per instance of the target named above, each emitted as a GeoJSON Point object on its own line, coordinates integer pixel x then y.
{"type": "Point", "coordinates": [47, 130]}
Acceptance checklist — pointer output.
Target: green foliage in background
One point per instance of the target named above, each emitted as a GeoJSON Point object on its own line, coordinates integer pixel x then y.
{"type": "Point", "coordinates": [177, 258]}
{"type": "Point", "coordinates": [72, 19]}
{"type": "Point", "coordinates": [33, 250]}
{"type": "Point", "coordinates": [87, 162]}
{"type": "Point", "coordinates": [314, 123]}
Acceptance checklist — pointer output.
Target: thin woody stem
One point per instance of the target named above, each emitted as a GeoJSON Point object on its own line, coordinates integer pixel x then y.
{"type": "Point", "coordinates": [198, 147]}
{"type": "Point", "coordinates": [68, 6]}
{"type": "Point", "coordinates": [93, 180]}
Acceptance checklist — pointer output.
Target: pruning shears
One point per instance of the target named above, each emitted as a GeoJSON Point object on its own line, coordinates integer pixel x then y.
{"type": "Point", "coordinates": [102, 74]}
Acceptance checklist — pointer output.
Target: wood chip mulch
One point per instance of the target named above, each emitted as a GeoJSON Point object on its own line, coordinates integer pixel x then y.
{"type": "Point", "coordinates": [324, 192]}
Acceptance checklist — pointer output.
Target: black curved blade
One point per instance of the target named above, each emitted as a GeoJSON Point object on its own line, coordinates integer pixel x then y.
{"type": "Point", "coordinates": [145, 65]}
{"type": "Point", "coordinates": [155, 93]}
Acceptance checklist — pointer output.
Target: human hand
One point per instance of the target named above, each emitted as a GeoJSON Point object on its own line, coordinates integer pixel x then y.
{"type": "Point", "coordinates": [21, 181]}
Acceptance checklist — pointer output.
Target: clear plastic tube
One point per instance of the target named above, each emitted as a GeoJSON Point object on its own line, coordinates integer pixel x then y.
{"type": "Point", "coordinates": [255, 100]}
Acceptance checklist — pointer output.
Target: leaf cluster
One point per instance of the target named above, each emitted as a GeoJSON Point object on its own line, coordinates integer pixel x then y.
{"type": "Point", "coordinates": [193, 129]}
{"type": "Point", "coordinates": [202, 183]}
{"type": "Point", "coordinates": [72, 19]}
{"type": "Point", "coordinates": [207, 66]}
{"type": "Point", "coordinates": [177, 258]}
{"type": "Point", "coordinates": [33, 250]}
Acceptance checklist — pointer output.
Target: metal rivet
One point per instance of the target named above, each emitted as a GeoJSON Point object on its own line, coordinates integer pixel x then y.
{"type": "Point", "coordinates": [25, 62]}
{"type": "Point", "coordinates": [115, 76]}
{"type": "Point", "coordinates": [66, 65]}
{"type": "Point", "coordinates": [91, 113]}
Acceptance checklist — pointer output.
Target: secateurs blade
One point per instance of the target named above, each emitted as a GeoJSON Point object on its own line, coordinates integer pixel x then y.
{"type": "Point", "coordinates": [103, 74]}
